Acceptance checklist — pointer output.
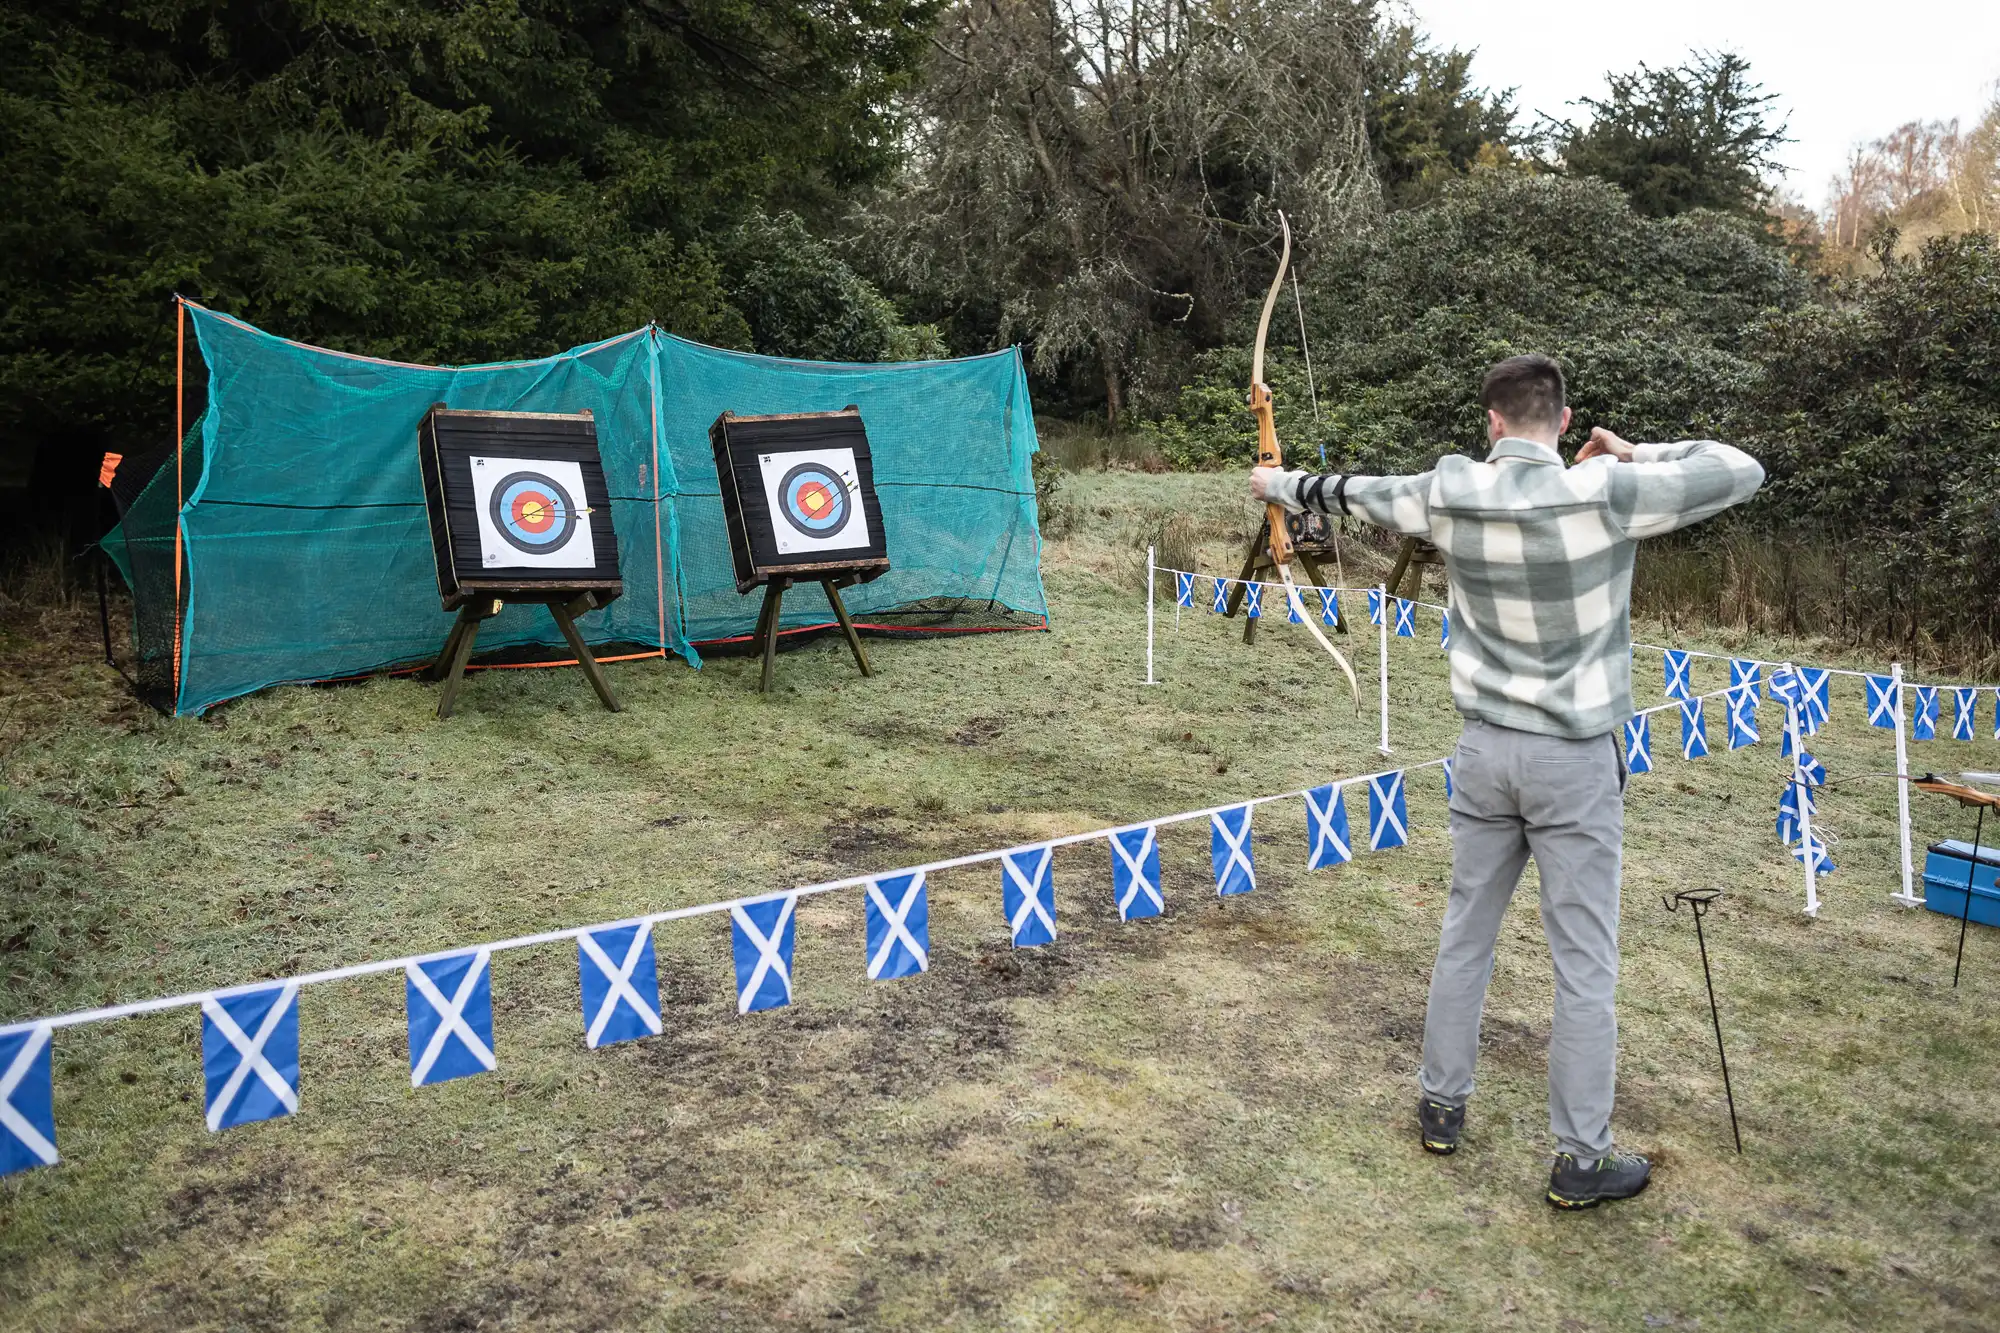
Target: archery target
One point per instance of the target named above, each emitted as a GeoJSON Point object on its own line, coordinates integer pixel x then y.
{"type": "Point", "coordinates": [815, 499]}
{"type": "Point", "coordinates": [532, 514]}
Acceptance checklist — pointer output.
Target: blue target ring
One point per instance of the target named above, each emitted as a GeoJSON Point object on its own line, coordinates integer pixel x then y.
{"type": "Point", "coordinates": [533, 512]}
{"type": "Point", "coordinates": [813, 498]}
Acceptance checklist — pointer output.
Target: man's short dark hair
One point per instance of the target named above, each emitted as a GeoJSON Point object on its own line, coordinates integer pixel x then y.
{"type": "Point", "coordinates": [1525, 391]}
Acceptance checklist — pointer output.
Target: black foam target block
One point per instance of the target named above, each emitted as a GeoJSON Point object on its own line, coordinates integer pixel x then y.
{"type": "Point", "coordinates": [798, 496]}
{"type": "Point", "coordinates": [517, 502]}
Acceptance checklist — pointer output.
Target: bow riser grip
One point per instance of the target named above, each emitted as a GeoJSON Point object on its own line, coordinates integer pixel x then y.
{"type": "Point", "coordinates": [1268, 455]}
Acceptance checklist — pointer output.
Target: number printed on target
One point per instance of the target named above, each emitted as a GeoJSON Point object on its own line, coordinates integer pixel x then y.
{"type": "Point", "coordinates": [530, 514]}
{"type": "Point", "coordinates": [815, 500]}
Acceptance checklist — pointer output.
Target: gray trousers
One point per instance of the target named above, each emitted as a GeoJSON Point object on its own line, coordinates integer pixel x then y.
{"type": "Point", "coordinates": [1516, 794]}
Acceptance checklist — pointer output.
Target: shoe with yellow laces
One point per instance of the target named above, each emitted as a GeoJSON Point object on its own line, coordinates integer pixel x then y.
{"type": "Point", "coordinates": [1585, 1182]}
{"type": "Point", "coordinates": [1439, 1126]}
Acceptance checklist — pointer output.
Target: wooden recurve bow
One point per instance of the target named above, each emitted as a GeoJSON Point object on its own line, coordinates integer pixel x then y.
{"type": "Point", "coordinates": [1268, 455]}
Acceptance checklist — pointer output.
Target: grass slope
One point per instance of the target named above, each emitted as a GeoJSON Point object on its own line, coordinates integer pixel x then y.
{"type": "Point", "coordinates": [1198, 1122]}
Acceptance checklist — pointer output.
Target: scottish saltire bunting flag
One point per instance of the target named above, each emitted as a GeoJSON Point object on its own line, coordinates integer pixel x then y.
{"type": "Point", "coordinates": [1822, 862]}
{"type": "Point", "coordinates": [27, 1100]}
{"type": "Point", "coordinates": [1996, 715]}
{"type": "Point", "coordinates": [1747, 674]}
{"type": "Point", "coordinates": [620, 978]}
{"type": "Point", "coordinates": [1694, 731]}
{"type": "Point", "coordinates": [1742, 718]}
{"type": "Point", "coordinates": [1388, 815]}
{"type": "Point", "coordinates": [1815, 698]}
{"type": "Point", "coordinates": [899, 926]}
{"type": "Point", "coordinates": [1374, 606]}
{"type": "Point", "coordinates": [1444, 633]}
{"type": "Point", "coordinates": [1253, 600]}
{"type": "Point", "coordinates": [1406, 618]}
{"type": "Point", "coordinates": [1135, 873]}
{"type": "Point", "coordinates": [1295, 607]}
{"type": "Point", "coordinates": [1638, 745]}
{"type": "Point", "coordinates": [250, 1054]}
{"type": "Point", "coordinates": [761, 935]}
{"type": "Point", "coordinates": [1326, 822]}
{"type": "Point", "coordinates": [1329, 606]}
{"type": "Point", "coordinates": [1028, 895]}
{"type": "Point", "coordinates": [1810, 770]}
{"type": "Point", "coordinates": [1447, 778]}
{"type": "Point", "coordinates": [1229, 851]}
{"type": "Point", "coordinates": [1183, 589]}
{"type": "Point", "coordinates": [1784, 685]}
{"type": "Point", "coordinates": [1924, 725]}
{"type": "Point", "coordinates": [1221, 596]}
{"type": "Point", "coordinates": [1882, 702]}
{"type": "Point", "coordinates": [450, 1007]}
{"type": "Point", "coordinates": [1789, 825]}
{"type": "Point", "coordinates": [1964, 704]}
{"type": "Point", "coordinates": [1675, 664]}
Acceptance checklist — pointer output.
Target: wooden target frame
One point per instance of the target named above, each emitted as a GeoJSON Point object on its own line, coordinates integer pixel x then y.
{"type": "Point", "coordinates": [799, 503]}
{"type": "Point", "coordinates": [490, 552]}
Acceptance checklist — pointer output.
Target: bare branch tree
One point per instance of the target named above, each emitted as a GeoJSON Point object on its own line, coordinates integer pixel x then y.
{"type": "Point", "coordinates": [1100, 171]}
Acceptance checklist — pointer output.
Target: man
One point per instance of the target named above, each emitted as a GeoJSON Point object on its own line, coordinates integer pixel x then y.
{"type": "Point", "coordinates": [1540, 559]}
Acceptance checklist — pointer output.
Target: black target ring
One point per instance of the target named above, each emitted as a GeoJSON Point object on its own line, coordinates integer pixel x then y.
{"type": "Point", "coordinates": [566, 513]}
{"type": "Point", "coordinates": [836, 488]}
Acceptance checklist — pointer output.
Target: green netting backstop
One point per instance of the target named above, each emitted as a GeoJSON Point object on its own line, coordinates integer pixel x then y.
{"type": "Point", "coordinates": [305, 547]}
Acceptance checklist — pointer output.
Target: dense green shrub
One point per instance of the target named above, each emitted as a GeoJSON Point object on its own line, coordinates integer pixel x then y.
{"type": "Point", "coordinates": [802, 299]}
{"type": "Point", "coordinates": [1648, 317]}
{"type": "Point", "coordinates": [1877, 415]}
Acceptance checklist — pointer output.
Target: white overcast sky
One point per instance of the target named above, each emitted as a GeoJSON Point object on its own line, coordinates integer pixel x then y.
{"type": "Point", "coordinates": [1843, 72]}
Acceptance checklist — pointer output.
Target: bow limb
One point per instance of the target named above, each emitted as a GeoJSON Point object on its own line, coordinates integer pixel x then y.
{"type": "Point", "coordinates": [1305, 617]}
{"type": "Point", "coordinates": [1269, 455]}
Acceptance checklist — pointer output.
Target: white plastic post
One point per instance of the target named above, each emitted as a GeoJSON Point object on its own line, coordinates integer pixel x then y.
{"type": "Point", "coordinates": [1382, 635]}
{"type": "Point", "coordinates": [1908, 897]}
{"type": "Point", "coordinates": [1149, 618]}
{"type": "Point", "coordinates": [1804, 793]}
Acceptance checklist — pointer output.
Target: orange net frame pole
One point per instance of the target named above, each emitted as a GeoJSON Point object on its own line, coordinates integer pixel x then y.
{"type": "Point", "coordinates": [180, 498]}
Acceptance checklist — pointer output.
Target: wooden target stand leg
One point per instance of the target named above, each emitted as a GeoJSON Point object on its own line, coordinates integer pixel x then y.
{"type": "Point", "coordinates": [563, 609]}
{"type": "Point", "coordinates": [766, 639]}
{"type": "Point", "coordinates": [1256, 561]}
{"type": "Point", "coordinates": [1414, 555]}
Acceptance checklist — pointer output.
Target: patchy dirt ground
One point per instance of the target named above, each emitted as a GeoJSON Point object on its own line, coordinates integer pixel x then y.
{"type": "Point", "coordinates": [1196, 1122]}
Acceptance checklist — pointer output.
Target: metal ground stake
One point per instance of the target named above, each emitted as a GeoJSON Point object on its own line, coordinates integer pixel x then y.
{"type": "Point", "coordinates": [1700, 900]}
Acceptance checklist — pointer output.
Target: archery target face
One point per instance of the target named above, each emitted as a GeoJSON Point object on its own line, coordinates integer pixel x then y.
{"type": "Point", "coordinates": [532, 514]}
{"type": "Point", "coordinates": [815, 499]}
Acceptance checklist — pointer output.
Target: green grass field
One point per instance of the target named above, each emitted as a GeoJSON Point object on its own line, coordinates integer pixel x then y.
{"type": "Point", "coordinates": [1197, 1122]}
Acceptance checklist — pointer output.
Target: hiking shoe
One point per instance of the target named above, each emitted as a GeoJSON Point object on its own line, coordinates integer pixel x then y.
{"type": "Point", "coordinates": [1439, 1125]}
{"type": "Point", "coordinates": [1586, 1182]}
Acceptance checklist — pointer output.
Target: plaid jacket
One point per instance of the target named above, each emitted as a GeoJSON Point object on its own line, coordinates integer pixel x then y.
{"type": "Point", "coordinates": [1540, 558]}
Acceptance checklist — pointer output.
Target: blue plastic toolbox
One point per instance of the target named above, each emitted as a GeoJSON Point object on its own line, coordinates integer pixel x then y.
{"type": "Point", "coordinates": [1945, 866]}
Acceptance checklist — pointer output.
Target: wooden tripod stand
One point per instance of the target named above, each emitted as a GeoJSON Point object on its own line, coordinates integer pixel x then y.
{"type": "Point", "coordinates": [1256, 561]}
{"type": "Point", "coordinates": [564, 607]}
{"type": "Point", "coordinates": [765, 640]}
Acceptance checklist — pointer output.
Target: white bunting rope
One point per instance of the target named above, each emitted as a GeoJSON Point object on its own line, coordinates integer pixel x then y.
{"type": "Point", "coordinates": [1835, 671]}
{"type": "Point", "coordinates": [651, 919]}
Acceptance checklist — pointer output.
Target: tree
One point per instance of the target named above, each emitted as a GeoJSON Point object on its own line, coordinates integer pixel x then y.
{"type": "Point", "coordinates": [1102, 177]}
{"type": "Point", "coordinates": [1427, 124]}
{"type": "Point", "coordinates": [428, 180]}
{"type": "Point", "coordinates": [1694, 136]}
{"type": "Point", "coordinates": [1923, 179]}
